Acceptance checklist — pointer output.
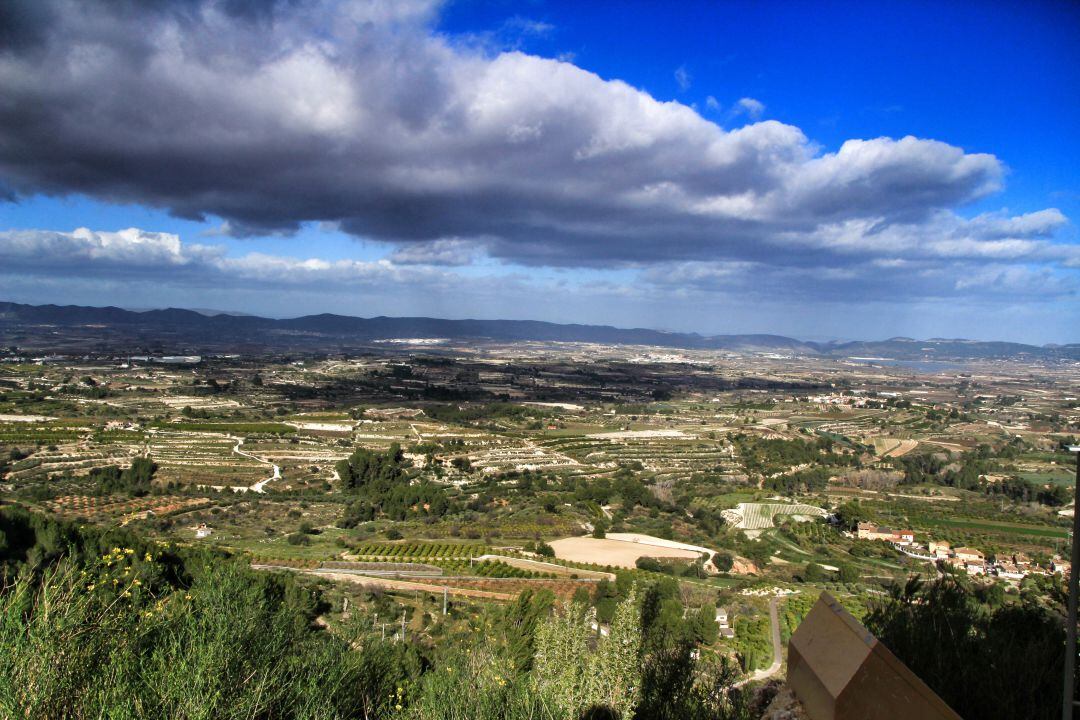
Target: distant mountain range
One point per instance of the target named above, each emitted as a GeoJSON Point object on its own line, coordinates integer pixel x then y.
{"type": "Point", "coordinates": [74, 328]}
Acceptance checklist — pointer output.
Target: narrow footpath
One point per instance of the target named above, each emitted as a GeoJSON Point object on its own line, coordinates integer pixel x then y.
{"type": "Point", "coordinates": [774, 621]}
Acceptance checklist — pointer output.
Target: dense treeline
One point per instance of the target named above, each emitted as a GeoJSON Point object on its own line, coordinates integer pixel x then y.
{"type": "Point", "coordinates": [381, 482]}
{"type": "Point", "coordinates": [770, 456]}
{"type": "Point", "coordinates": [485, 412]}
{"type": "Point", "coordinates": [623, 485]}
{"type": "Point", "coordinates": [136, 480]}
{"type": "Point", "coordinates": [792, 466]}
{"type": "Point", "coordinates": [811, 480]}
{"type": "Point", "coordinates": [242, 428]}
{"type": "Point", "coordinates": [372, 471]}
{"type": "Point", "coordinates": [969, 473]}
{"type": "Point", "coordinates": [1021, 490]}
{"type": "Point", "coordinates": [986, 658]}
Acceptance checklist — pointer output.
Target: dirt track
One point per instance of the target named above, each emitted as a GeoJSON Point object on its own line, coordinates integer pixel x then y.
{"type": "Point", "coordinates": [408, 585]}
{"type": "Point", "coordinates": [903, 448]}
{"type": "Point", "coordinates": [774, 623]}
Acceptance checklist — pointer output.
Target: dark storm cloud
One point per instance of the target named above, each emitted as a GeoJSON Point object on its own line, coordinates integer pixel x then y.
{"type": "Point", "coordinates": [23, 24]}
{"type": "Point", "coordinates": [270, 115]}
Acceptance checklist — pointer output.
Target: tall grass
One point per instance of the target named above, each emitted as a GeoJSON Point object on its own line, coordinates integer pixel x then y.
{"type": "Point", "coordinates": [227, 648]}
{"type": "Point", "coordinates": [100, 624]}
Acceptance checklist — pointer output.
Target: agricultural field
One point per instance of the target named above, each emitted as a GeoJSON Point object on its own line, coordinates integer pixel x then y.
{"type": "Point", "coordinates": [614, 553]}
{"type": "Point", "coordinates": [121, 509]}
{"type": "Point", "coordinates": [758, 516]}
{"type": "Point", "coordinates": [391, 480]}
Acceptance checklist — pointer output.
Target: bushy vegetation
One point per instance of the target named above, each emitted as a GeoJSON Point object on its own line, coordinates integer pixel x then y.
{"type": "Point", "coordinates": [104, 624]}
{"type": "Point", "coordinates": [767, 456]}
{"type": "Point", "coordinates": [481, 412]}
{"type": "Point", "coordinates": [752, 643]}
{"type": "Point", "coordinates": [969, 474]}
{"type": "Point", "coordinates": [987, 659]}
{"type": "Point", "coordinates": [372, 470]}
{"type": "Point", "coordinates": [100, 623]}
{"type": "Point", "coordinates": [134, 481]}
{"type": "Point", "coordinates": [381, 482]}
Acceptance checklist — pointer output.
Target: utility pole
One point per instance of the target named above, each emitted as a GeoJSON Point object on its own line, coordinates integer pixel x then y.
{"type": "Point", "coordinates": [402, 625]}
{"type": "Point", "coordinates": [445, 592]}
{"type": "Point", "coordinates": [1067, 701]}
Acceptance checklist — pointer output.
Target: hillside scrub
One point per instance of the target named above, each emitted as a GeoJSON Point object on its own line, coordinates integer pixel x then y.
{"type": "Point", "coordinates": [986, 659]}
{"type": "Point", "coordinates": [134, 481]}
{"type": "Point", "coordinates": [99, 623]}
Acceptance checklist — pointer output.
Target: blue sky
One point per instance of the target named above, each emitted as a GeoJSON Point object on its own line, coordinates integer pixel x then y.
{"type": "Point", "coordinates": [996, 77]}
{"type": "Point", "coordinates": [817, 170]}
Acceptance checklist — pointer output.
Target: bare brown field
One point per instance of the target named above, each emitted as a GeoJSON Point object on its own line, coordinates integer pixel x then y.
{"type": "Point", "coordinates": [616, 553]}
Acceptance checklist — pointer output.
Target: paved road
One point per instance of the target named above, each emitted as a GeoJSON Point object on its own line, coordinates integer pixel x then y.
{"type": "Point", "coordinates": [774, 621]}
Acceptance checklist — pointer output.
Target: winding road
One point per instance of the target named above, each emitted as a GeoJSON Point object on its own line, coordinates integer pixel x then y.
{"type": "Point", "coordinates": [257, 487]}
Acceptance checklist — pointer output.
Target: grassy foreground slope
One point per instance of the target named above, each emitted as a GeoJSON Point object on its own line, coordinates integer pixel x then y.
{"type": "Point", "coordinates": [101, 623]}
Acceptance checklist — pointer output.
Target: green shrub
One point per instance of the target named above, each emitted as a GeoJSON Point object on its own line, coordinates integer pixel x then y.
{"type": "Point", "coordinates": [231, 646]}
{"type": "Point", "coordinates": [998, 663]}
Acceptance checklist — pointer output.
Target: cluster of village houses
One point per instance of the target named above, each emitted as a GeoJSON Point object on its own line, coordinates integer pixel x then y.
{"type": "Point", "coordinates": [972, 561]}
